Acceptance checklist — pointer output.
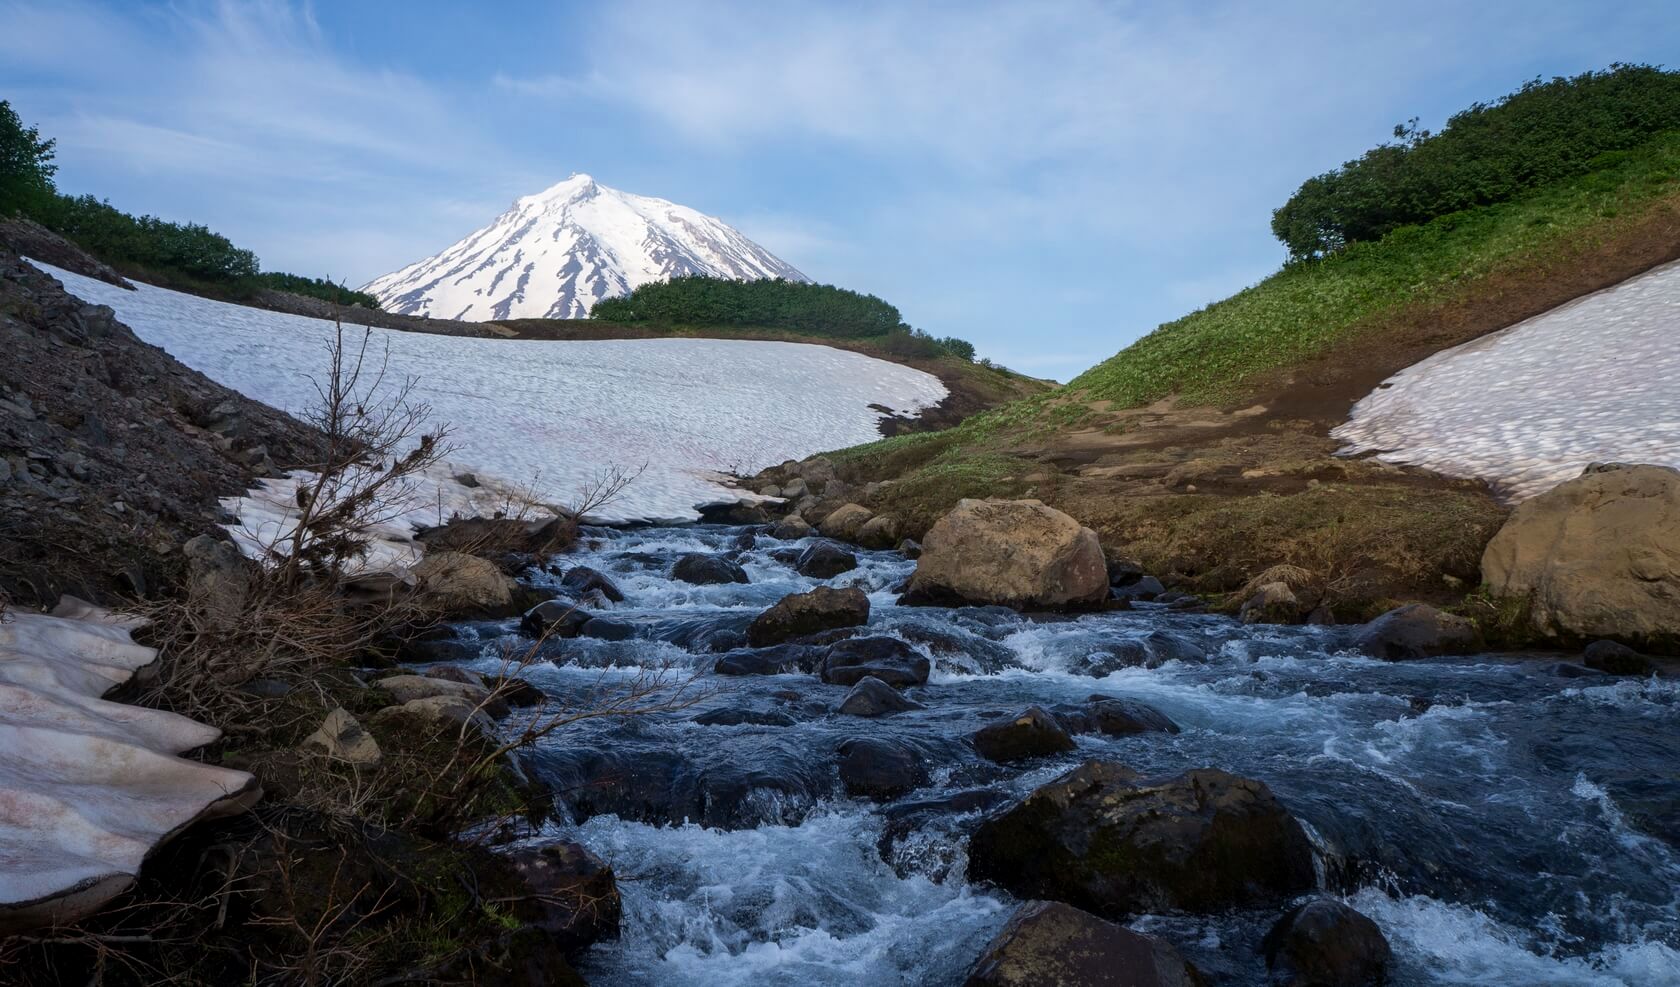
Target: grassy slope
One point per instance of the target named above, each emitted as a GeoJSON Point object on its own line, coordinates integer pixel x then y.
{"type": "Point", "coordinates": [1283, 497]}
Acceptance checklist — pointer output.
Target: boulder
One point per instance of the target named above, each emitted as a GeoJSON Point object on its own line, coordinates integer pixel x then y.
{"type": "Point", "coordinates": [341, 738]}
{"type": "Point", "coordinates": [886, 658]}
{"type": "Point", "coordinates": [880, 769]}
{"type": "Point", "coordinates": [1103, 838]}
{"type": "Point", "coordinates": [581, 579]}
{"type": "Point", "coordinates": [1416, 630]}
{"type": "Point", "coordinates": [910, 549]}
{"type": "Point", "coordinates": [219, 580]}
{"type": "Point", "coordinates": [707, 570]}
{"type": "Point", "coordinates": [464, 584]}
{"type": "Point", "coordinates": [570, 894]}
{"type": "Point", "coordinates": [825, 560]}
{"type": "Point", "coordinates": [607, 629]}
{"type": "Point", "coordinates": [516, 691]}
{"type": "Point", "coordinates": [880, 531]}
{"type": "Point", "coordinates": [1034, 733]}
{"type": "Point", "coordinates": [846, 522]}
{"type": "Point", "coordinates": [1272, 603]}
{"type": "Point", "coordinates": [1615, 659]}
{"type": "Point", "coordinates": [437, 714]}
{"type": "Point", "coordinates": [792, 528]}
{"type": "Point", "coordinates": [553, 619]}
{"type": "Point", "coordinates": [1048, 943]}
{"type": "Point", "coordinates": [1017, 553]}
{"type": "Point", "coordinates": [1324, 943]}
{"type": "Point", "coordinates": [873, 697]}
{"type": "Point", "coordinates": [1596, 557]}
{"type": "Point", "coordinates": [1113, 717]}
{"type": "Point", "coordinates": [735, 716]}
{"type": "Point", "coordinates": [795, 488]}
{"type": "Point", "coordinates": [775, 660]}
{"type": "Point", "coordinates": [1143, 588]}
{"type": "Point", "coordinates": [799, 614]}
{"type": "Point", "coordinates": [404, 688]}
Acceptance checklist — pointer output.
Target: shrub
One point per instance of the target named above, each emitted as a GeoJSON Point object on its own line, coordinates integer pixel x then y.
{"type": "Point", "coordinates": [26, 168]}
{"type": "Point", "coordinates": [1490, 152]}
{"type": "Point", "coordinates": [775, 303]}
{"type": "Point", "coordinates": [316, 288]}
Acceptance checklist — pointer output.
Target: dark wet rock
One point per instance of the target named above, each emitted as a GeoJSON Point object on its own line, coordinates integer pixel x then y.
{"type": "Point", "coordinates": [1143, 588]}
{"type": "Point", "coordinates": [1416, 630]}
{"type": "Point", "coordinates": [926, 837]}
{"type": "Point", "coordinates": [607, 629]}
{"type": "Point", "coordinates": [707, 570]}
{"type": "Point", "coordinates": [1324, 943]}
{"type": "Point", "coordinates": [886, 658]}
{"type": "Point", "coordinates": [910, 548]}
{"type": "Point", "coordinates": [958, 649]}
{"type": "Point", "coordinates": [1150, 651]}
{"type": "Point", "coordinates": [1048, 943]}
{"type": "Point", "coordinates": [880, 769]}
{"type": "Point", "coordinates": [732, 513]}
{"type": "Point", "coordinates": [800, 614]}
{"type": "Point", "coordinates": [706, 633]}
{"type": "Point", "coordinates": [873, 697]}
{"type": "Point", "coordinates": [553, 619]}
{"type": "Point", "coordinates": [1113, 717]}
{"type": "Point", "coordinates": [776, 660]}
{"type": "Point", "coordinates": [516, 691]}
{"type": "Point", "coordinates": [1104, 838]}
{"type": "Point", "coordinates": [739, 716]}
{"type": "Point", "coordinates": [570, 894]}
{"type": "Point", "coordinates": [1034, 733]}
{"type": "Point", "coordinates": [1570, 670]}
{"type": "Point", "coordinates": [825, 560]}
{"type": "Point", "coordinates": [581, 579]}
{"type": "Point", "coordinates": [1615, 659]}
{"type": "Point", "coordinates": [668, 788]}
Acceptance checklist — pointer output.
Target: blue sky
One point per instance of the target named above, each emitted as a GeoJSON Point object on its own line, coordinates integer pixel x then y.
{"type": "Point", "coordinates": [1050, 180]}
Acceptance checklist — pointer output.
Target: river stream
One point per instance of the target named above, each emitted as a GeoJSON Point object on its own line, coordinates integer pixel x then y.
{"type": "Point", "coordinates": [1505, 821]}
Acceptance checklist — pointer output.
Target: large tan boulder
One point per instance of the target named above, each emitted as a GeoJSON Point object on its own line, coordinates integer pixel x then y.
{"type": "Point", "coordinates": [1596, 557]}
{"type": "Point", "coordinates": [846, 522]}
{"type": "Point", "coordinates": [466, 583]}
{"type": "Point", "coordinates": [1018, 553]}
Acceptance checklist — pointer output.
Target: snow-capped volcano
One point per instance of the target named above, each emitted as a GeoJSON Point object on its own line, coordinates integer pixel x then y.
{"type": "Point", "coordinates": [555, 254]}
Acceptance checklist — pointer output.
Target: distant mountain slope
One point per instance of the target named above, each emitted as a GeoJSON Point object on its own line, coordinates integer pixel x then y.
{"type": "Point", "coordinates": [555, 254]}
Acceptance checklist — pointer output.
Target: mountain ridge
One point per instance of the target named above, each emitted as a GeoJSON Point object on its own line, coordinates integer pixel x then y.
{"type": "Point", "coordinates": [555, 253]}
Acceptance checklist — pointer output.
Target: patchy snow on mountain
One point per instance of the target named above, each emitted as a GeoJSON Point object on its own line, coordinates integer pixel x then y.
{"type": "Point", "coordinates": [1525, 408]}
{"type": "Point", "coordinates": [555, 254]}
{"type": "Point", "coordinates": [553, 414]}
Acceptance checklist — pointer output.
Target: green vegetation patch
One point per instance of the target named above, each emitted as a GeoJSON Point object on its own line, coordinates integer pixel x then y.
{"type": "Point", "coordinates": [1304, 309]}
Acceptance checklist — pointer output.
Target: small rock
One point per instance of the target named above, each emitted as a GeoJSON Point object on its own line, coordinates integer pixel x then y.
{"type": "Point", "coordinates": [573, 896]}
{"type": "Point", "coordinates": [880, 769]}
{"type": "Point", "coordinates": [792, 528]}
{"type": "Point", "coordinates": [1049, 944]}
{"type": "Point", "coordinates": [516, 691]}
{"type": "Point", "coordinates": [1034, 733]}
{"type": "Point", "coordinates": [553, 619]}
{"type": "Point", "coordinates": [607, 629]}
{"type": "Point", "coordinates": [846, 522]}
{"type": "Point", "coordinates": [825, 560]}
{"type": "Point", "coordinates": [341, 738]}
{"type": "Point", "coordinates": [582, 579]}
{"type": "Point", "coordinates": [1113, 717]}
{"type": "Point", "coordinates": [799, 614]}
{"type": "Point", "coordinates": [910, 549]}
{"type": "Point", "coordinates": [1416, 630]}
{"type": "Point", "coordinates": [437, 713]}
{"type": "Point", "coordinates": [405, 688]}
{"type": "Point", "coordinates": [880, 531]}
{"type": "Point", "coordinates": [737, 717]}
{"type": "Point", "coordinates": [886, 658]}
{"type": "Point", "coordinates": [1615, 659]}
{"type": "Point", "coordinates": [1144, 588]}
{"type": "Point", "coordinates": [795, 489]}
{"type": "Point", "coordinates": [873, 697]}
{"type": "Point", "coordinates": [707, 570]}
{"type": "Point", "coordinates": [1272, 603]}
{"type": "Point", "coordinates": [770, 490]}
{"type": "Point", "coordinates": [1324, 943]}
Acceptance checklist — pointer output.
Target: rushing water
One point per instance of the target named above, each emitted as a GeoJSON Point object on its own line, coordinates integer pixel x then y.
{"type": "Point", "coordinates": [1504, 823]}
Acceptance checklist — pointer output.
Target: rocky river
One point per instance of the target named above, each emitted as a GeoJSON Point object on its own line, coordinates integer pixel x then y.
{"type": "Point", "coordinates": [1505, 819]}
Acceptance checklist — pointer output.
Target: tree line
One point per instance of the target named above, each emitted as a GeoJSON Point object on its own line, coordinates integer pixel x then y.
{"type": "Point", "coordinates": [1490, 152]}
{"type": "Point", "coordinates": [189, 251]}
{"type": "Point", "coordinates": [776, 303]}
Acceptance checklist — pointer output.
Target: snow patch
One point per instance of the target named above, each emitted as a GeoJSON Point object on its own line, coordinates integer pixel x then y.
{"type": "Point", "coordinates": [1531, 406]}
{"type": "Point", "coordinates": [551, 415]}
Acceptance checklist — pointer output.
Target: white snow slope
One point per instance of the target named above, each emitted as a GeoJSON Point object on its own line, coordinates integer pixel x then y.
{"type": "Point", "coordinates": [555, 254]}
{"type": "Point", "coordinates": [552, 414]}
{"type": "Point", "coordinates": [1525, 408]}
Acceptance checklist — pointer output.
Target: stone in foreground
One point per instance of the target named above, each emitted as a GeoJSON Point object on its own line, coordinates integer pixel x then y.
{"type": "Point", "coordinates": [1016, 553]}
{"type": "Point", "coordinates": [799, 614]}
{"type": "Point", "coordinates": [873, 697]}
{"type": "Point", "coordinates": [1324, 943]}
{"type": "Point", "coordinates": [1596, 557]}
{"type": "Point", "coordinates": [1416, 630]}
{"type": "Point", "coordinates": [1105, 839]}
{"type": "Point", "coordinates": [1047, 942]}
{"type": "Point", "coordinates": [1034, 733]}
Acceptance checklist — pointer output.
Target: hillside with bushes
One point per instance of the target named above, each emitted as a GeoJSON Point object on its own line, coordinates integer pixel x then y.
{"type": "Point", "coordinates": [1203, 451]}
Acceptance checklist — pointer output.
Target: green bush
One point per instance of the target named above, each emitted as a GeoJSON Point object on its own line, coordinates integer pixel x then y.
{"type": "Point", "coordinates": [1490, 152]}
{"type": "Point", "coordinates": [26, 168]}
{"type": "Point", "coordinates": [773, 303]}
{"type": "Point", "coordinates": [316, 288]}
{"type": "Point", "coordinates": [117, 237]}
